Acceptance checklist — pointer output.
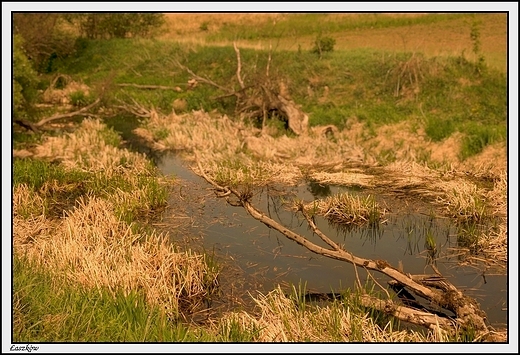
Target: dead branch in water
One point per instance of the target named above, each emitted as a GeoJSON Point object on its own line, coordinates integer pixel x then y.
{"type": "Point", "coordinates": [436, 289]}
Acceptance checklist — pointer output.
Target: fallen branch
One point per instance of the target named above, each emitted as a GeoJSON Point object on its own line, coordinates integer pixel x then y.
{"type": "Point", "coordinates": [437, 289]}
{"type": "Point", "coordinates": [152, 87]}
{"type": "Point", "coordinates": [239, 66]}
{"type": "Point", "coordinates": [136, 109]}
{"type": "Point", "coordinates": [81, 112]}
{"type": "Point", "coordinates": [203, 80]}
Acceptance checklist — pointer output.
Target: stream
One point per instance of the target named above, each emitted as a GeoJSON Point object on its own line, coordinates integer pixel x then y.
{"type": "Point", "coordinates": [257, 258]}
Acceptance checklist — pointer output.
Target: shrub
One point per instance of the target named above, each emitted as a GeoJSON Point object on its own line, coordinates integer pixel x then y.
{"type": "Point", "coordinates": [323, 44]}
{"type": "Point", "coordinates": [24, 80]}
{"type": "Point", "coordinates": [45, 39]}
{"type": "Point", "coordinates": [116, 25]}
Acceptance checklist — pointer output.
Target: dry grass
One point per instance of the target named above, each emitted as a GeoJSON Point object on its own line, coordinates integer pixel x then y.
{"type": "Point", "coordinates": [347, 209]}
{"type": "Point", "coordinates": [254, 173]}
{"type": "Point", "coordinates": [463, 200]}
{"type": "Point", "coordinates": [87, 148]}
{"type": "Point", "coordinates": [278, 319]}
{"type": "Point", "coordinates": [219, 139]}
{"type": "Point", "coordinates": [344, 178]}
{"type": "Point", "coordinates": [186, 24]}
{"type": "Point", "coordinates": [92, 247]}
{"type": "Point", "coordinates": [498, 196]}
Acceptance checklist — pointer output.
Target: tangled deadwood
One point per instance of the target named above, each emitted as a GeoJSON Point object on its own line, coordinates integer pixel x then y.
{"type": "Point", "coordinates": [261, 98]}
{"type": "Point", "coordinates": [61, 96]}
{"type": "Point", "coordinates": [41, 124]}
{"type": "Point", "coordinates": [435, 288]}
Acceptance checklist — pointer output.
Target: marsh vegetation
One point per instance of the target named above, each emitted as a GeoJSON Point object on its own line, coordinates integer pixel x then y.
{"type": "Point", "coordinates": [98, 229]}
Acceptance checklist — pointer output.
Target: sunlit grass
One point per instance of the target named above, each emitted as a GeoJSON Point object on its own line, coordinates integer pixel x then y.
{"type": "Point", "coordinates": [347, 209]}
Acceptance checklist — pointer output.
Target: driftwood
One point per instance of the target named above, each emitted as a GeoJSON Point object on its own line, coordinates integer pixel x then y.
{"type": "Point", "coordinates": [261, 97]}
{"type": "Point", "coordinates": [434, 288]}
{"type": "Point", "coordinates": [39, 125]}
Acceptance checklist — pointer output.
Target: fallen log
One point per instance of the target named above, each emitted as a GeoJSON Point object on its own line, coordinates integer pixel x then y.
{"type": "Point", "coordinates": [434, 288]}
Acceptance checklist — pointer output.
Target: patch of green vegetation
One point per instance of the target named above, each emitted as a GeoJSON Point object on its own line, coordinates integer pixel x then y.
{"type": "Point", "coordinates": [80, 99]}
{"type": "Point", "coordinates": [375, 87]}
{"type": "Point", "coordinates": [61, 188]}
{"type": "Point", "coordinates": [438, 130]}
{"type": "Point", "coordinates": [49, 309]}
{"type": "Point", "coordinates": [479, 136]}
{"type": "Point", "coordinates": [35, 173]}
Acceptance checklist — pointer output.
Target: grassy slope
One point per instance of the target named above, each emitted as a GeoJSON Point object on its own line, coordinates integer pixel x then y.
{"type": "Point", "coordinates": [385, 69]}
{"type": "Point", "coordinates": [358, 77]}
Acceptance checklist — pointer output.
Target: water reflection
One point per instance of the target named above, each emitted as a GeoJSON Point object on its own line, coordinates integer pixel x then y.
{"type": "Point", "coordinates": [319, 190]}
{"type": "Point", "coordinates": [413, 240]}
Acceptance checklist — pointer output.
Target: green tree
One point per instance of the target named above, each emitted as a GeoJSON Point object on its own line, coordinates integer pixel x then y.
{"type": "Point", "coordinates": [24, 80]}
{"type": "Point", "coordinates": [45, 38]}
{"type": "Point", "coordinates": [116, 25]}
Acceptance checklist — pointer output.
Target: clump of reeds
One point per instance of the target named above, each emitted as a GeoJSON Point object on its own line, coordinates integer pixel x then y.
{"type": "Point", "coordinates": [463, 200]}
{"type": "Point", "coordinates": [94, 248]}
{"type": "Point", "coordinates": [493, 245]}
{"type": "Point", "coordinates": [253, 173]}
{"type": "Point", "coordinates": [93, 147]}
{"type": "Point", "coordinates": [498, 195]}
{"type": "Point", "coordinates": [348, 209]}
{"type": "Point", "coordinates": [343, 178]}
{"type": "Point", "coordinates": [220, 139]}
{"type": "Point", "coordinates": [280, 319]}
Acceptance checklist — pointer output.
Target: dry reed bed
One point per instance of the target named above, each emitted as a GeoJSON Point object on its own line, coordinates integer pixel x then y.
{"type": "Point", "coordinates": [233, 153]}
{"type": "Point", "coordinates": [90, 245]}
{"type": "Point", "coordinates": [87, 148]}
{"type": "Point", "coordinates": [278, 319]}
{"type": "Point", "coordinates": [346, 209]}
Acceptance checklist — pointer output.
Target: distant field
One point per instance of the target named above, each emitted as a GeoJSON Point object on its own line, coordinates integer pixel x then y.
{"type": "Point", "coordinates": [431, 34]}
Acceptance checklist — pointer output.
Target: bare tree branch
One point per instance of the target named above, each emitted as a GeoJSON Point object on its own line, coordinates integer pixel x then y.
{"type": "Point", "coordinates": [239, 66]}
{"type": "Point", "coordinates": [151, 87]}
{"type": "Point", "coordinates": [448, 296]}
{"type": "Point", "coordinates": [81, 112]}
{"type": "Point", "coordinates": [203, 80]}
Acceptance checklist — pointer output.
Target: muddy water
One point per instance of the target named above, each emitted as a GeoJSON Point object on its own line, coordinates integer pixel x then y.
{"type": "Point", "coordinates": [260, 258]}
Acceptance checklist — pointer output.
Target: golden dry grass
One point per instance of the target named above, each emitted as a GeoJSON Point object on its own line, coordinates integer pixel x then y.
{"type": "Point", "coordinates": [87, 149]}
{"type": "Point", "coordinates": [90, 246]}
{"type": "Point", "coordinates": [278, 319]}
{"type": "Point", "coordinates": [346, 209]}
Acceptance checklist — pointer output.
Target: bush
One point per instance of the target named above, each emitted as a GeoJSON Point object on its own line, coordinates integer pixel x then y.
{"type": "Point", "coordinates": [45, 40]}
{"type": "Point", "coordinates": [24, 80]}
{"type": "Point", "coordinates": [116, 25]}
{"type": "Point", "coordinates": [323, 44]}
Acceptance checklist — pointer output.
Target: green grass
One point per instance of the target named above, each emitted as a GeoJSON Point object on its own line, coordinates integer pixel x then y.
{"type": "Point", "coordinates": [446, 94]}
{"type": "Point", "coordinates": [313, 23]}
{"type": "Point", "coordinates": [46, 309]}
{"type": "Point", "coordinates": [66, 186]}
